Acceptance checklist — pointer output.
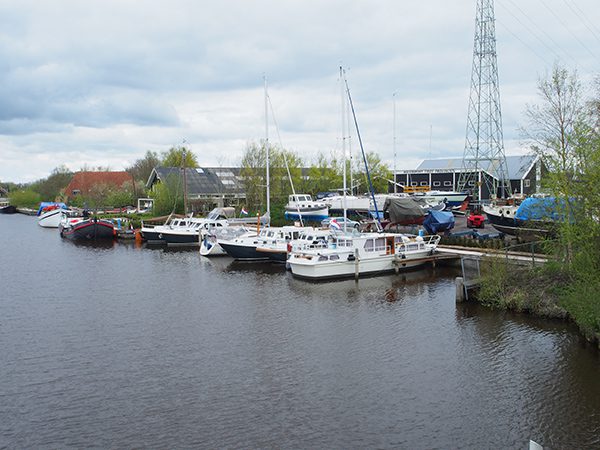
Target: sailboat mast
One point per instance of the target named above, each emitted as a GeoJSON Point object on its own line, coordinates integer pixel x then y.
{"type": "Point", "coordinates": [183, 156]}
{"type": "Point", "coordinates": [362, 150]}
{"type": "Point", "coordinates": [267, 149]}
{"type": "Point", "coordinates": [394, 125]}
{"type": "Point", "coordinates": [343, 107]}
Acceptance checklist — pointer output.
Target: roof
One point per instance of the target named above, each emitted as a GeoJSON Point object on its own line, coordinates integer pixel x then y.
{"type": "Point", "coordinates": [201, 180]}
{"type": "Point", "coordinates": [83, 181]}
{"type": "Point", "coordinates": [518, 165]}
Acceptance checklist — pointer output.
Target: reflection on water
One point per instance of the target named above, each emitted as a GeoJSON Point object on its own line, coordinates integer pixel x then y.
{"type": "Point", "coordinates": [133, 346]}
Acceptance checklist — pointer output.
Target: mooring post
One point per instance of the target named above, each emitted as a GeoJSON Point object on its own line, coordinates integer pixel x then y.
{"type": "Point", "coordinates": [460, 289]}
{"type": "Point", "coordinates": [356, 268]}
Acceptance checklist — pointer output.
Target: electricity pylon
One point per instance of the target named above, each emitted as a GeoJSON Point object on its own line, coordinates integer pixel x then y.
{"type": "Point", "coordinates": [484, 146]}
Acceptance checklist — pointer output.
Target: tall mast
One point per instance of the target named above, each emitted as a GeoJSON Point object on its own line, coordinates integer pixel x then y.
{"type": "Point", "coordinates": [267, 149]}
{"type": "Point", "coordinates": [343, 108]}
{"type": "Point", "coordinates": [394, 177]}
{"type": "Point", "coordinates": [183, 155]}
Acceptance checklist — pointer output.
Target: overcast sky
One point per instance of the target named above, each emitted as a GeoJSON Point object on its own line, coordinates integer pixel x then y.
{"type": "Point", "coordinates": [99, 83]}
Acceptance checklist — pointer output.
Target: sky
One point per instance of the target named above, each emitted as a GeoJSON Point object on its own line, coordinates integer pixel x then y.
{"type": "Point", "coordinates": [99, 83]}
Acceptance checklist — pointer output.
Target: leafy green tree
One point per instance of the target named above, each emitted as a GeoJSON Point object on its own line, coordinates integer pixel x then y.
{"type": "Point", "coordinates": [51, 188]}
{"type": "Point", "coordinates": [142, 168]}
{"type": "Point", "coordinates": [253, 175]}
{"type": "Point", "coordinates": [556, 129]}
{"type": "Point", "coordinates": [324, 175]}
{"type": "Point", "coordinates": [174, 157]}
{"type": "Point", "coordinates": [168, 196]}
{"type": "Point", "coordinates": [380, 174]}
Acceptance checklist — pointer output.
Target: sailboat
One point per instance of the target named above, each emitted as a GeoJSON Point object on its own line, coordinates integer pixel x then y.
{"type": "Point", "coordinates": [357, 254]}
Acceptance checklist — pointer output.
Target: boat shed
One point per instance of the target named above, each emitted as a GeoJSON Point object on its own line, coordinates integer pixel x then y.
{"type": "Point", "coordinates": [207, 187]}
{"type": "Point", "coordinates": [524, 173]}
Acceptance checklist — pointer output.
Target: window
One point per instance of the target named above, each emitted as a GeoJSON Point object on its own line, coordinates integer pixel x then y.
{"type": "Point", "coordinates": [447, 183]}
{"type": "Point", "coordinates": [76, 192]}
{"type": "Point", "coordinates": [423, 183]}
{"type": "Point", "coordinates": [413, 183]}
{"type": "Point", "coordinates": [436, 184]}
{"type": "Point", "coordinates": [526, 183]}
{"type": "Point", "coordinates": [200, 171]}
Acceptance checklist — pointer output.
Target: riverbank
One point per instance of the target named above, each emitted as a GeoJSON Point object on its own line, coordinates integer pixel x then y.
{"type": "Point", "coordinates": [546, 291]}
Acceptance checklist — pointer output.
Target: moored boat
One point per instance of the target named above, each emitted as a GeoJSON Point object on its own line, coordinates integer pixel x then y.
{"type": "Point", "coordinates": [92, 229]}
{"type": "Point", "coordinates": [51, 214]}
{"type": "Point", "coordinates": [346, 255]}
{"type": "Point", "coordinates": [7, 208]}
{"type": "Point", "coordinates": [245, 248]}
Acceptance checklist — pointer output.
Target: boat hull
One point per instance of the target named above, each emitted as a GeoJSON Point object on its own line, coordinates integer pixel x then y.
{"type": "Point", "coordinates": [51, 219]}
{"type": "Point", "coordinates": [527, 229]}
{"type": "Point", "coordinates": [210, 247]}
{"type": "Point", "coordinates": [243, 252]}
{"type": "Point", "coordinates": [315, 215]}
{"type": "Point", "coordinates": [346, 266]}
{"type": "Point", "coordinates": [88, 230]}
{"type": "Point", "coordinates": [181, 238]}
{"type": "Point", "coordinates": [10, 209]}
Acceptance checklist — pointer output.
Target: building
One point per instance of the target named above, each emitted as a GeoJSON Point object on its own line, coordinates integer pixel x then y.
{"type": "Point", "coordinates": [524, 172]}
{"type": "Point", "coordinates": [207, 187]}
{"type": "Point", "coordinates": [83, 183]}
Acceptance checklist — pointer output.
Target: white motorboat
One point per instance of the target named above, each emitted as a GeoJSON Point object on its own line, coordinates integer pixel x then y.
{"type": "Point", "coordinates": [244, 248]}
{"type": "Point", "coordinates": [450, 198]}
{"type": "Point", "coordinates": [302, 206]}
{"type": "Point", "coordinates": [353, 204]}
{"type": "Point", "coordinates": [359, 254]}
{"type": "Point", "coordinates": [52, 218]}
{"type": "Point", "coordinates": [209, 246]}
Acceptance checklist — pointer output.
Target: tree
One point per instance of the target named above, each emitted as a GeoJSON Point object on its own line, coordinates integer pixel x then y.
{"type": "Point", "coordinates": [174, 157]}
{"type": "Point", "coordinates": [253, 175]}
{"type": "Point", "coordinates": [324, 175]}
{"type": "Point", "coordinates": [51, 188]}
{"type": "Point", "coordinates": [560, 132]}
{"type": "Point", "coordinates": [142, 168]}
{"type": "Point", "coordinates": [168, 196]}
{"type": "Point", "coordinates": [379, 172]}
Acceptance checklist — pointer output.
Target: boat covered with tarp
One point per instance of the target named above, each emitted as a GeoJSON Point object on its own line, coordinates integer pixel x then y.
{"type": "Point", "coordinates": [403, 211]}
{"type": "Point", "coordinates": [437, 221]}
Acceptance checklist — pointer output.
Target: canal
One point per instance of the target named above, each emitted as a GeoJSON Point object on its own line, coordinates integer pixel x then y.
{"type": "Point", "coordinates": [128, 346]}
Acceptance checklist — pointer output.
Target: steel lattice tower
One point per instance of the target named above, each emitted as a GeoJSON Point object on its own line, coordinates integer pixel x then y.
{"type": "Point", "coordinates": [484, 147]}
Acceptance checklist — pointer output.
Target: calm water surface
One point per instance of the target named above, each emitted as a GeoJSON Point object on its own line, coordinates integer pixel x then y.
{"type": "Point", "coordinates": [125, 346]}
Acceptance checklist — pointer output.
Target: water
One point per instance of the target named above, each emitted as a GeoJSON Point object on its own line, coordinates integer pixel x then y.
{"type": "Point", "coordinates": [122, 346]}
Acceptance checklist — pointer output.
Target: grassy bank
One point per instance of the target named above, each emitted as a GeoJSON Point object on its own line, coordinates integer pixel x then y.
{"type": "Point", "coordinates": [547, 291]}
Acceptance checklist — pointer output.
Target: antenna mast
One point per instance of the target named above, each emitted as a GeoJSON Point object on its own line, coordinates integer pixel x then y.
{"type": "Point", "coordinates": [484, 146]}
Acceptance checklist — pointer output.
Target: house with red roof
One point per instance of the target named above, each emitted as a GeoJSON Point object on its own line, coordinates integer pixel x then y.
{"type": "Point", "coordinates": [82, 183]}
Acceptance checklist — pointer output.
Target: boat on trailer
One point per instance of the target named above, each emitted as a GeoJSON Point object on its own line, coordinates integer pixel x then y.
{"type": "Point", "coordinates": [303, 207]}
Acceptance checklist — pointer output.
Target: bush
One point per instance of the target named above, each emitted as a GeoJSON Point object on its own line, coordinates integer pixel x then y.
{"type": "Point", "coordinates": [25, 199]}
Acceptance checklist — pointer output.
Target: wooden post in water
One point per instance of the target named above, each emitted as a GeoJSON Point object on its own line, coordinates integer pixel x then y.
{"type": "Point", "coordinates": [356, 267]}
{"type": "Point", "coordinates": [460, 289]}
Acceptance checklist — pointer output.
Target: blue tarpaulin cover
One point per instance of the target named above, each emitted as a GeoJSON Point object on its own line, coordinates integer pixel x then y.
{"type": "Point", "coordinates": [45, 204]}
{"type": "Point", "coordinates": [437, 221]}
{"type": "Point", "coordinates": [541, 209]}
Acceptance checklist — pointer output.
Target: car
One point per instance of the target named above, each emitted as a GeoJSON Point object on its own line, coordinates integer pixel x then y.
{"type": "Point", "coordinates": [340, 221]}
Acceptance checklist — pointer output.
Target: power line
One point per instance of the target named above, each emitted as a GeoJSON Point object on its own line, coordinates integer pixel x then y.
{"type": "Point", "coordinates": [529, 29]}
{"type": "Point", "coordinates": [581, 16]}
{"type": "Point", "coordinates": [568, 29]}
{"type": "Point", "coordinates": [544, 60]}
